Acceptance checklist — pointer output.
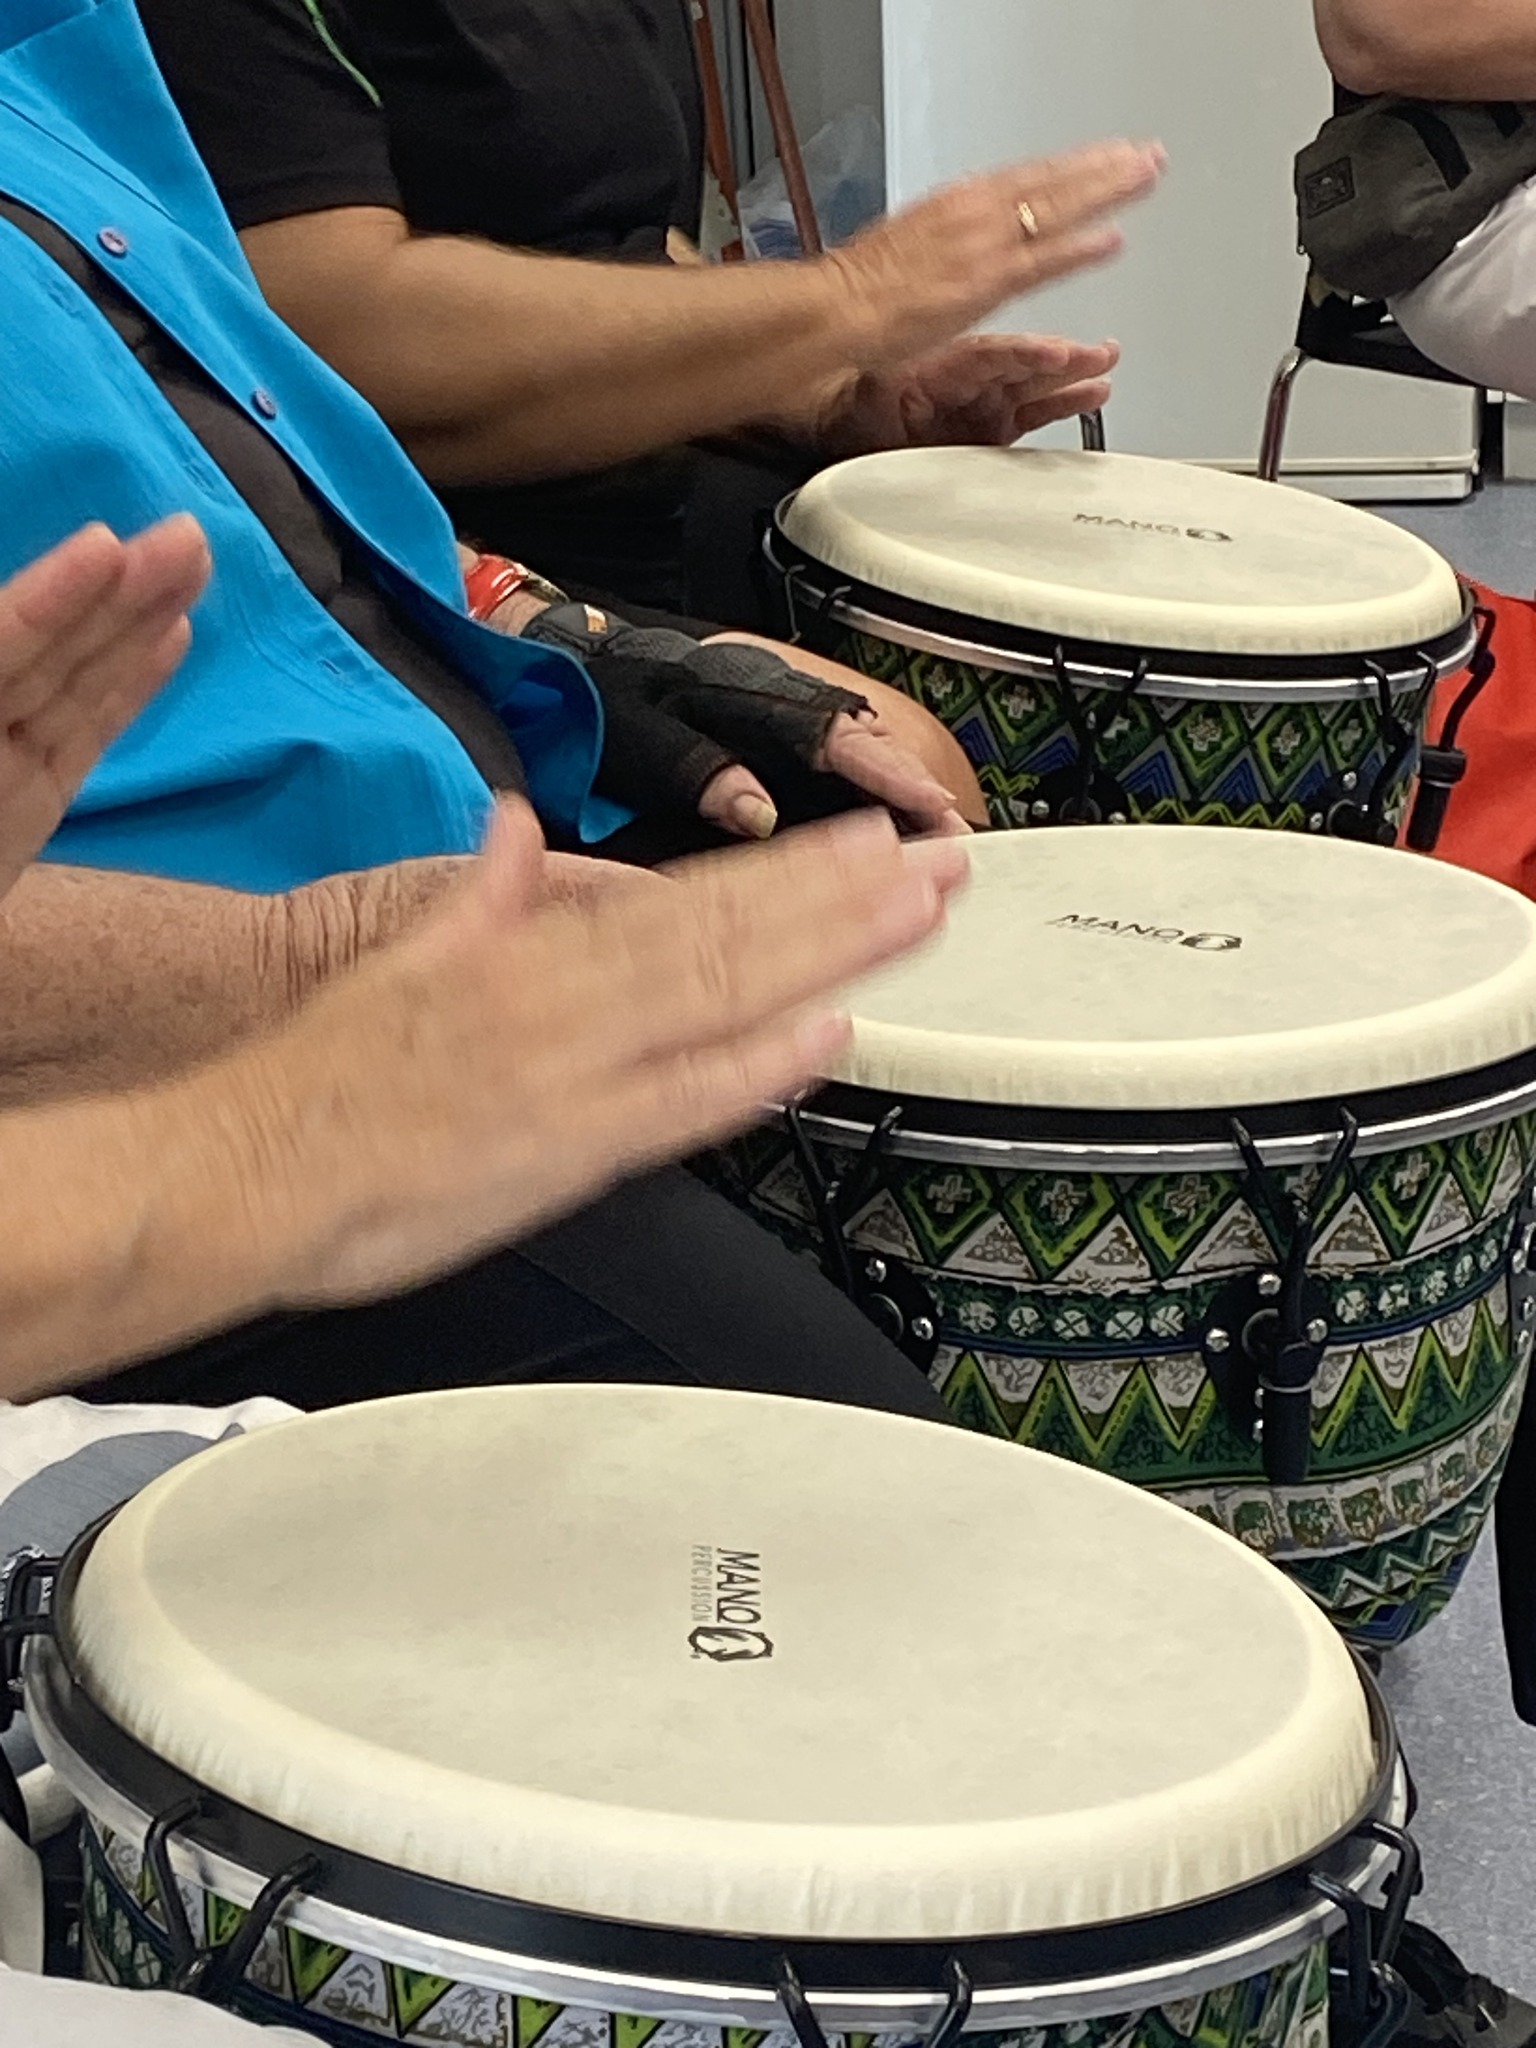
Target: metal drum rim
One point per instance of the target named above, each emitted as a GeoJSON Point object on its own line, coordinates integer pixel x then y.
{"type": "Point", "coordinates": [1183, 674]}
{"type": "Point", "coordinates": [1130, 1141]}
{"type": "Point", "coordinates": [720, 1978]}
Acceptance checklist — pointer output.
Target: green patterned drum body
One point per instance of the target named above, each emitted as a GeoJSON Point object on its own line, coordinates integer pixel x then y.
{"type": "Point", "coordinates": [1116, 638]}
{"type": "Point", "coordinates": [353, 1999]}
{"type": "Point", "coordinates": [1203, 1158]}
{"type": "Point", "coordinates": [1173, 760]}
{"type": "Point", "coordinates": [1070, 1308]}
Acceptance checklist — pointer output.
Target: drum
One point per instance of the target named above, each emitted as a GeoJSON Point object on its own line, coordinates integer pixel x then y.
{"type": "Point", "coordinates": [602, 1717]}
{"type": "Point", "coordinates": [1205, 1159]}
{"type": "Point", "coordinates": [1112, 637]}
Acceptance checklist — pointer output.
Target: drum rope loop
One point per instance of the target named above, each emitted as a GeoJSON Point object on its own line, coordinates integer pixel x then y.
{"type": "Point", "coordinates": [883, 1289]}
{"type": "Point", "coordinates": [1280, 1317]}
{"type": "Point", "coordinates": [211, 1974]}
{"type": "Point", "coordinates": [1442, 766]}
{"type": "Point", "coordinates": [1095, 795]}
{"type": "Point", "coordinates": [808, 2029]}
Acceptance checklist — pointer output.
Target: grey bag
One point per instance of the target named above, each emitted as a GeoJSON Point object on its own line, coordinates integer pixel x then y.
{"type": "Point", "coordinates": [1389, 188]}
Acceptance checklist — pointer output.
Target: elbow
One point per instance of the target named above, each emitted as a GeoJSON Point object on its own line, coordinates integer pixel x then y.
{"type": "Point", "coordinates": [1366, 50]}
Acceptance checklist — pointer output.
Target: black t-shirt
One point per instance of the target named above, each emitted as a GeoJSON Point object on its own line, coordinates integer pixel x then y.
{"type": "Point", "coordinates": [571, 125]}
{"type": "Point", "coordinates": [567, 125]}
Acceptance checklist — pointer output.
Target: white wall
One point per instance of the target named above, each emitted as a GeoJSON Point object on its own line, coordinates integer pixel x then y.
{"type": "Point", "coordinates": [1207, 294]}
{"type": "Point", "coordinates": [831, 51]}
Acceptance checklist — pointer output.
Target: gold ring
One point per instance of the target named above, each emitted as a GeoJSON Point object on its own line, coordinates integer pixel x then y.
{"type": "Point", "coordinates": [1027, 221]}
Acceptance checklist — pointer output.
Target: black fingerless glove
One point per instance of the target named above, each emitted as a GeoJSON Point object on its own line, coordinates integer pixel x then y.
{"type": "Point", "coordinates": [677, 712]}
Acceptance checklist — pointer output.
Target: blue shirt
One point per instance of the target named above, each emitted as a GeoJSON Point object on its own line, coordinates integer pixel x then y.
{"type": "Point", "coordinates": [282, 751]}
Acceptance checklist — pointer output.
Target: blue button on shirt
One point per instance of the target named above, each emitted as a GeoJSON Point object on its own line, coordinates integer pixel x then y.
{"type": "Point", "coordinates": [281, 752]}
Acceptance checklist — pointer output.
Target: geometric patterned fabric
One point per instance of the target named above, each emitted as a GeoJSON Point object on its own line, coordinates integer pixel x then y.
{"type": "Point", "coordinates": [1180, 760]}
{"type": "Point", "coordinates": [354, 2000]}
{"type": "Point", "coordinates": [1071, 1306]}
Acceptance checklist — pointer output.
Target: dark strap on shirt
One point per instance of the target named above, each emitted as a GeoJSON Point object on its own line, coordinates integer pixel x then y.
{"type": "Point", "coordinates": [328, 559]}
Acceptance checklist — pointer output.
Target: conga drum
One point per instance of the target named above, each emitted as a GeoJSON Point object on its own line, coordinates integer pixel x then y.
{"type": "Point", "coordinates": [1205, 1158]}
{"type": "Point", "coordinates": [602, 1717]}
{"type": "Point", "coordinates": [1114, 637]}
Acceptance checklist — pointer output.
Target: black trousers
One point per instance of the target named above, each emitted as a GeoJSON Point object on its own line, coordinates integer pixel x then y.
{"type": "Point", "coordinates": [661, 1281]}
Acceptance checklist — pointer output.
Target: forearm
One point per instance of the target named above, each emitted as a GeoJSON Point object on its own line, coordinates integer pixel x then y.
{"type": "Point", "coordinates": [141, 1221]}
{"type": "Point", "coordinates": [131, 1224]}
{"type": "Point", "coordinates": [112, 980]}
{"type": "Point", "coordinates": [1424, 49]}
{"type": "Point", "coordinates": [557, 365]}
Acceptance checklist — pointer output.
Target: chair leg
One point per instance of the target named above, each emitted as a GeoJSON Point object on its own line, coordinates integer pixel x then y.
{"type": "Point", "coordinates": [1277, 415]}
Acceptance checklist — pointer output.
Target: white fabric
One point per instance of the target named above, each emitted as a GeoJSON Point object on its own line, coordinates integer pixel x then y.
{"type": "Point", "coordinates": [62, 1464]}
{"type": "Point", "coordinates": [39, 2012]}
{"type": "Point", "coordinates": [1096, 968]}
{"type": "Point", "coordinates": [1476, 314]}
{"type": "Point", "coordinates": [456, 1633]}
{"type": "Point", "coordinates": [21, 1906]}
{"type": "Point", "coordinates": [1124, 548]}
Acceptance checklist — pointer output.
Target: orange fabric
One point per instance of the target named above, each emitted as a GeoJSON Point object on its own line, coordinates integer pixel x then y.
{"type": "Point", "coordinates": [1491, 823]}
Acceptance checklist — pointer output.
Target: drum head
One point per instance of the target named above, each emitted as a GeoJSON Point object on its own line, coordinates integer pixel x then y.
{"type": "Point", "coordinates": [725, 1663]}
{"type": "Point", "coordinates": [1125, 550]}
{"type": "Point", "coordinates": [1121, 969]}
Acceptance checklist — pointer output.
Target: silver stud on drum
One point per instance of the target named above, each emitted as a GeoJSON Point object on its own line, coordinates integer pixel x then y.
{"type": "Point", "coordinates": [1317, 1331]}
{"type": "Point", "coordinates": [1218, 1341]}
{"type": "Point", "coordinates": [1040, 809]}
{"type": "Point", "coordinates": [1518, 1260]}
{"type": "Point", "coordinates": [1316, 822]}
{"type": "Point", "coordinates": [922, 1330]}
{"type": "Point", "coordinates": [874, 1272]}
{"type": "Point", "coordinates": [1528, 1310]}
{"type": "Point", "coordinates": [1118, 818]}
{"type": "Point", "coordinates": [1351, 781]}
{"type": "Point", "coordinates": [1269, 1285]}
{"type": "Point", "coordinates": [1524, 1348]}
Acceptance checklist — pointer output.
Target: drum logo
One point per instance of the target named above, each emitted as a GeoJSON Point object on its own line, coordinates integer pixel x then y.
{"type": "Point", "coordinates": [1205, 533]}
{"type": "Point", "coordinates": [1152, 934]}
{"type": "Point", "coordinates": [727, 1606]}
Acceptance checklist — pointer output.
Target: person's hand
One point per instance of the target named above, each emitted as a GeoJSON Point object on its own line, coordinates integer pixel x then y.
{"type": "Point", "coordinates": [914, 282]}
{"type": "Point", "coordinates": [88, 634]}
{"type": "Point", "coordinates": [861, 749]}
{"type": "Point", "coordinates": [987, 390]}
{"type": "Point", "coordinates": [514, 1055]}
{"type": "Point", "coordinates": [729, 726]}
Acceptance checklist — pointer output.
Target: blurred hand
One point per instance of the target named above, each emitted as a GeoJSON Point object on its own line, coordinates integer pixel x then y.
{"type": "Point", "coordinates": [987, 390]}
{"type": "Point", "coordinates": [917, 280]}
{"type": "Point", "coordinates": [522, 1049]}
{"type": "Point", "coordinates": [87, 636]}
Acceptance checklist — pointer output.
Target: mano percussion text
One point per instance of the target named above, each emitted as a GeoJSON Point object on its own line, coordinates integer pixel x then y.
{"type": "Point", "coordinates": [728, 1606]}
{"type": "Point", "coordinates": [1160, 935]}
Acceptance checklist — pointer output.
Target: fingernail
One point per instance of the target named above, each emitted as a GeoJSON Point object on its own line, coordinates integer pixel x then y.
{"type": "Point", "coordinates": [754, 817]}
{"type": "Point", "coordinates": [945, 862]}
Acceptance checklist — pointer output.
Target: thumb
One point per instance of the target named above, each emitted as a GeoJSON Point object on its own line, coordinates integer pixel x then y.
{"type": "Point", "coordinates": [738, 803]}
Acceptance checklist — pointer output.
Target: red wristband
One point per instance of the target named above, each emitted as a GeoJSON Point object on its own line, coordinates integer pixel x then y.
{"type": "Point", "coordinates": [492, 579]}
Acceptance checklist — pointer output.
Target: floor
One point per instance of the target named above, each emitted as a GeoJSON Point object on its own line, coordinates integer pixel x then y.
{"type": "Point", "coordinates": [1475, 1766]}
{"type": "Point", "coordinates": [1491, 536]}
{"type": "Point", "coordinates": [1474, 1762]}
